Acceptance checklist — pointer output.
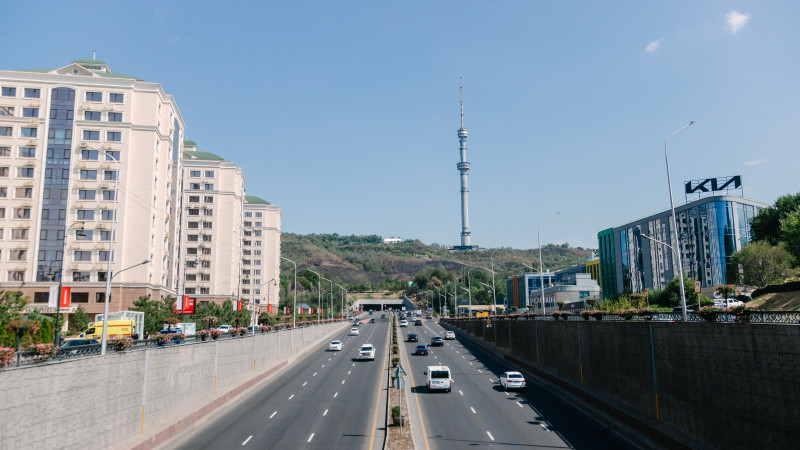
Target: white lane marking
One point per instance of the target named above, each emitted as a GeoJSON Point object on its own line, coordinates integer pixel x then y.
{"type": "Point", "coordinates": [470, 364]}
{"type": "Point", "coordinates": [273, 414]}
{"type": "Point", "coordinates": [348, 372]}
{"type": "Point", "coordinates": [310, 437]}
{"type": "Point", "coordinates": [473, 410]}
{"type": "Point", "coordinates": [491, 380]}
{"type": "Point", "coordinates": [323, 365]}
{"type": "Point", "coordinates": [520, 405]}
{"type": "Point", "coordinates": [490, 435]}
{"type": "Point", "coordinates": [247, 440]}
{"type": "Point", "coordinates": [291, 396]}
{"type": "Point", "coordinates": [543, 426]}
{"type": "Point", "coordinates": [315, 374]}
{"type": "Point", "coordinates": [305, 383]}
{"type": "Point", "coordinates": [325, 413]}
{"type": "Point", "coordinates": [329, 359]}
{"type": "Point", "coordinates": [335, 395]}
{"type": "Point", "coordinates": [507, 393]}
{"type": "Point", "coordinates": [343, 381]}
{"type": "Point", "coordinates": [354, 364]}
{"type": "Point", "coordinates": [459, 391]}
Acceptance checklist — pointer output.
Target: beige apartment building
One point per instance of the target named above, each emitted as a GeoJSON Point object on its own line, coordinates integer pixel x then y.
{"type": "Point", "coordinates": [80, 142]}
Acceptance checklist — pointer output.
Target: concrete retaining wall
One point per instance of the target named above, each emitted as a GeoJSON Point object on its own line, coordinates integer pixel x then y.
{"type": "Point", "coordinates": [719, 385]}
{"type": "Point", "coordinates": [99, 401]}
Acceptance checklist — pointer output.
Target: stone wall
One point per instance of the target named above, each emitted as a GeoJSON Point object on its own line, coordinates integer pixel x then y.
{"type": "Point", "coordinates": [99, 401]}
{"type": "Point", "coordinates": [718, 385]}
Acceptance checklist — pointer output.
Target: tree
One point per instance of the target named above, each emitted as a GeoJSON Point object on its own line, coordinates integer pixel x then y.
{"type": "Point", "coordinates": [154, 313]}
{"type": "Point", "coordinates": [790, 230]}
{"type": "Point", "coordinates": [12, 303]}
{"type": "Point", "coordinates": [670, 296]}
{"type": "Point", "coordinates": [766, 226]}
{"type": "Point", "coordinates": [763, 264]}
{"type": "Point", "coordinates": [726, 290]}
{"type": "Point", "coordinates": [80, 320]}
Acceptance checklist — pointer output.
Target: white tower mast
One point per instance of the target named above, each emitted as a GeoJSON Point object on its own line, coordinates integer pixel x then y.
{"type": "Point", "coordinates": [463, 168]}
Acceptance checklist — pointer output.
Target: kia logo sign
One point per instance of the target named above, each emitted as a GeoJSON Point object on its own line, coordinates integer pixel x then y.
{"type": "Point", "coordinates": [713, 184]}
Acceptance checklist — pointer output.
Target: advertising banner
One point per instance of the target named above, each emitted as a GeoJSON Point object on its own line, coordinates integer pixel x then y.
{"type": "Point", "coordinates": [239, 305]}
{"type": "Point", "coordinates": [52, 299]}
{"type": "Point", "coordinates": [269, 308]}
{"type": "Point", "coordinates": [64, 299]}
{"type": "Point", "coordinates": [188, 304]}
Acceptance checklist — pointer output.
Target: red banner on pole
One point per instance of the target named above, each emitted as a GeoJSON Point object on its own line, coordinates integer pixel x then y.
{"type": "Point", "coordinates": [239, 305]}
{"type": "Point", "coordinates": [188, 304]}
{"type": "Point", "coordinates": [269, 308]}
{"type": "Point", "coordinates": [64, 299]}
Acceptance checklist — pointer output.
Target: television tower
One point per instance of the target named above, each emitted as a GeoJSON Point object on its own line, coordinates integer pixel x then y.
{"type": "Point", "coordinates": [463, 168]}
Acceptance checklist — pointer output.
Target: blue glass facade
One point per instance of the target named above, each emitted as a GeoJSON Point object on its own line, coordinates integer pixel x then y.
{"type": "Point", "coordinates": [55, 190]}
{"type": "Point", "coordinates": [710, 231]}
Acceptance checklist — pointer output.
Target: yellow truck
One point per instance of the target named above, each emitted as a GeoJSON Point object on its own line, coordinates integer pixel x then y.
{"type": "Point", "coordinates": [115, 328]}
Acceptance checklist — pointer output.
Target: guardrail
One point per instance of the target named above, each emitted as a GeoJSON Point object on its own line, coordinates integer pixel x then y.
{"type": "Point", "coordinates": [756, 317]}
{"type": "Point", "coordinates": [30, 358]}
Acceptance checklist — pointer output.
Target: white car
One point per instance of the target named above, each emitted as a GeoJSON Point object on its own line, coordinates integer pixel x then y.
{"type": "Point", "coordinates": [225, 328]}
{"type": "Point", "coordinates": [335, 346]}
{"type": "Point", "coordinates": [512, 380]}
{"type": "Point", "coordinates": [353, 331]}
{"type": "Point", "coordinates": [449, 335]}
{"type": "Point", "coordinates": [439, 378]}
{"type": "Point", "coordinates": [404, 323]}
{"type": "Point", "coordinates": [367, 351]}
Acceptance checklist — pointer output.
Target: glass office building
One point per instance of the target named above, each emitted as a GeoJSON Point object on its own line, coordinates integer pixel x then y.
{"type": "Point", "coordinates": [710, 230]}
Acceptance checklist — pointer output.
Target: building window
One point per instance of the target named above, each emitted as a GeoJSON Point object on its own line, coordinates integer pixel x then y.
{"type": "Point", "coordinates": [30, 112]}
{"type": "Point", "coordinates": [194, 173]}
{"type": "Point", "coordinates": [27, 152]}
{"type": "Point", "coordinates": [19, 234]}
{"type": "Point", "coordinates": [115, 98]}
{"type": "Point", "coordinates": [109, 195]}
{"type": "Point", "coordinates": [91, 115]}
{"type": "Point", "coordinates": [209, 174]}
{"type": "Point", "coordinates": [6, 131]}
{"type": "Point", "coordinates": [195, 186]}
{"type": "Point", "coordinates": [192, 238]}
{"type": "Point", "coordinates": [16, 275]}
{"type": "Point", "coordinates": [110, 175]}
{"type": "Point", "coordinates": [5, 151]}
{"type": "Point", "coordinates": [114, 136]}
{"type": "Point", "coordinates": [194, 211]}
{"type": "Point", "coordinates": [91, 135]}
{"type": "Point", "coordinates": [89, 155]}
{"type": "Point", "coordinates": [17, 255]}
{"type": "Point", "coordinates": [258, 214]}
{"type": "Point", "coordinates": [41, 297]}
{"type": "Point", "coordinates": [206, 238]}
{"type": "Point", "coordinates": [194, 199]}
{"type": "Point", "coordinates": [25, 172]}
{"type": "Point", "coordinates": [248, 214]}
{"type": "Point", "coordinates": [23, 192]}
{"type": "Point", "coordinates": [29, 132]}
{"type": "Point", "coordinates": [208, 199]}
{"type": "Point", "coordinates": [205, 251]}
{"type": "Point", "coordinates": [208, 212]}
{"type": "Point", "coordinates": [7, 111]}
{"type": "Point", "coordinates": [80, 276]}
{"type": "Point", "coordinates": [191, 277]}
{"type": "Point", "coordinates": [84, 235]}
{"type": "Point", "coordinates": [208, 225]}
{"type": "Point", "coordinates": [205, 290]}
{"type": "Point", "coordinates": [189, 291]}
{"type": "Point", "coordinates": [205, 264]}
{"type": "Point", "coordinates": [205, 277]}
{"type": "Point", "coordinates": [105, 235]}
{"type": "Point", "coordinates": [32, 93]}
{"type": "Point", "coordinates": [107, 214]}
{"type": "Point", "coordinates": [112, 155]}
{"type": "Point", "coordinates": [22, 213]}
{"type": "Point", "coordinates": [85, 214]}
{"type": "Point", "coordinates": [86, 174]}
{"type": "Point", "coordinates": [192, 225]}
{"type": "Point", "coordinates": [248, 224]}
{"type": "Point", "coordinates": [3, 171]}
{"type": "Point", "coordinates": [114, 117]}
{"type": "Point", "coordinates": [94, 96]}
{"type": "Point", "coordinates": [83, 255]}
{"type": "Point", "coordinates": [191, 250]}
{"type": "Point", "coordinates": [102, 255]}
{"type": "Point", "coordinates": [80, 297]}
{"type": "Point", "coordinates": [9, 91]}
{"type": "Point", "coordinates": [101, 276]}
{"type": "Point", "coordinates": [208, 186]}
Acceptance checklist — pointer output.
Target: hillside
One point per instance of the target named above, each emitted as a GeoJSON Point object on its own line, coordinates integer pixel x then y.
{"type": "Point", "coordinates": [367, 260]}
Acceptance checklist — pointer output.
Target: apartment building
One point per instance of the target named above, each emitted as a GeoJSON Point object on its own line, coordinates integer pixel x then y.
{"type": "Point", "coordinates": [76, 144]}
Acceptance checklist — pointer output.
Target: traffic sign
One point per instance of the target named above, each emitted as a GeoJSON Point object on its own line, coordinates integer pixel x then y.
{"type": "Point", "coordinates": [399, 383]}
{"type": "Point", "coordinates": [697, 286]}
{"type": "Point", "coordinates": [399, 372]}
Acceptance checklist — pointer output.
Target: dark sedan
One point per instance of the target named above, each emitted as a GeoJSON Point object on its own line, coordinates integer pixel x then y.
{"type": "Point", "coordinates": [412, 337]}
{"type": "Point", "coordinates": [437, 341]}
{"type": "Point", "coordinates": [422, 349]}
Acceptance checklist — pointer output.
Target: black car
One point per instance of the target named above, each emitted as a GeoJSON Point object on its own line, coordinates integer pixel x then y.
{"type": "Point", "coordinates": [372, 320]}
{"type": "Point", "coordinates": [412, 337]}
{"type": "Point", "coordinates": [77, 347]}
{"type": "Point", "coordinates": [422, 349]}
{"type": "Point", "coordinates": [437, 341]}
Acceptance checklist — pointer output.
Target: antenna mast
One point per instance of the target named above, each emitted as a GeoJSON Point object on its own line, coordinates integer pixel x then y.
{"type": "Point", "coordinates": [461, 91]}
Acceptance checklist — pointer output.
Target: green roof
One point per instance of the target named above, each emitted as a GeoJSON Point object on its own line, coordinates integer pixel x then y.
{"type": "Point", "coordinates": [254, 199]}
{"type": "Point", "coordinates": [204, 156]}
{"type": "Point", "coordinates": [89, 61]}
{"type": "Point", "coordinates": [117, 75]}
{"type": "Point", "coordinates": [189, 143]}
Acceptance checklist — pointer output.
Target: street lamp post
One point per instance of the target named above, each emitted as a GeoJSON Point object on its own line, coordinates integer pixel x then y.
{"type": "Point", "coordinates": [57, 335]}
{"type": "Point", "coordinates": [254, 319]}
{"type": "Point", "coordinates": [675, 223]}
{"type": "Point", "coordinates": [535, 270]}
{"type": "Point", "coordinates": [469, 293]}
{"type": "Point", "coordinates": [104, 338]}
{"type": "Point", "coordinates": [541, 275]}
{"type": "Point", "coordinates": [494, 293]}
{"type": "Point", "coordinates": [319, 295]}
{"type": "Point", "coordinates": [294, 310]}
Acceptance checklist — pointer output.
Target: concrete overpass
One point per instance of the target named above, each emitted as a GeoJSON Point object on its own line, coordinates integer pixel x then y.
{"type": "Point", "coordinates": [376, 304]}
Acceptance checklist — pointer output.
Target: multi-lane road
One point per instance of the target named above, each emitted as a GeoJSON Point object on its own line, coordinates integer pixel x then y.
{"type": "Point", "coordinates": [331, 400]}
{"type": "Point", "coordinates": [478, 412]}
{"type": "Point", "coordinates": [327, 400]}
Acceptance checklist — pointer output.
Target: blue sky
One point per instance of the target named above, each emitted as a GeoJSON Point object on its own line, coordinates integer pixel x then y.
{"type": "Point", "coordinates": [345, 114]}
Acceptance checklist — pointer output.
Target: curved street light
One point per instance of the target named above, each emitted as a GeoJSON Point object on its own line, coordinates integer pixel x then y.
{"type": "Point", "coordinates": [541, 275]}
{"type": "Point", "coordinates": [294, 310]}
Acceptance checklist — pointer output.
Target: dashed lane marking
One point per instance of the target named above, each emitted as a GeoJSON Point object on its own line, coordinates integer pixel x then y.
{"type": "Point", "coordinates": [325, 413]}
{"type": "Point", "coordinates": [520, 405]}
{"type": "Point", "coordinates": [459, 391]}
{"type": "Point", "coordinates": [247, 440]}
{"type": "Point", "coordinates": [315, 374]}
{"type": "Point", "coordinates": [273, 414]}
{"type": "Point", "coordinates": [305, 383]}
{"type": "Point", "coordinates": [473, 410]}
{"type": "Point", "coordinates": [343, 381]}
{"type": "Point", "coordinates": [490, 435]}
{"type": "Point", "coordinates": [310, 437]}
{"type": "Point", "coordinates": [545, 427]}
{"type": "Point", "coordinates": [335, 395]}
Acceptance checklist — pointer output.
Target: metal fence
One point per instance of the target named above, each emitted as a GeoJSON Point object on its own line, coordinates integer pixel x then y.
{"type": "Point", "coordinates": [757, 317]}
{"type": "Point", "coordinates": [30, 358]}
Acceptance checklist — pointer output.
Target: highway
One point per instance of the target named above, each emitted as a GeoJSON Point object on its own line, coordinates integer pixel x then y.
{"type": "Point", "coordinates": [479, 413]}
{"type": "Point", "coordinates": [326, 400]}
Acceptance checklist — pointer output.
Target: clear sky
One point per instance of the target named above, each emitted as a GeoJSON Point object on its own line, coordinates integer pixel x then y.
{"type": "Point", "coordinates": [344, 113]}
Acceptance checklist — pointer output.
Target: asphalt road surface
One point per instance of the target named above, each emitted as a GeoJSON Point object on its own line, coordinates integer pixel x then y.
{"type": "Point", "coordinates": [478, 412]}
{"type": "Point", "coordinates": [327, 400]}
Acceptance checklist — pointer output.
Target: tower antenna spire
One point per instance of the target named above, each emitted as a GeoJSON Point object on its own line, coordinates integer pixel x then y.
{"type": "Point", "coordinates": [461, 91]}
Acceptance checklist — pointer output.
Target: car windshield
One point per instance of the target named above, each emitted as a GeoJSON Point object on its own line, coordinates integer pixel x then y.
{"type": "Point", "coordinates": [514, 375]}
{"type": "Point", "coordinates": [421, 347]}
{"type": "Point", "coordinates": [366, 348]}
{"type": "Point", "coordinates": [440, 374]}
{"type": "Point", "coordinates": [335, 343]}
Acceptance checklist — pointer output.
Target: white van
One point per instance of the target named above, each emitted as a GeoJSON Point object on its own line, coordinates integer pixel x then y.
{"type": "Point", "coordinates": [439, 378]}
